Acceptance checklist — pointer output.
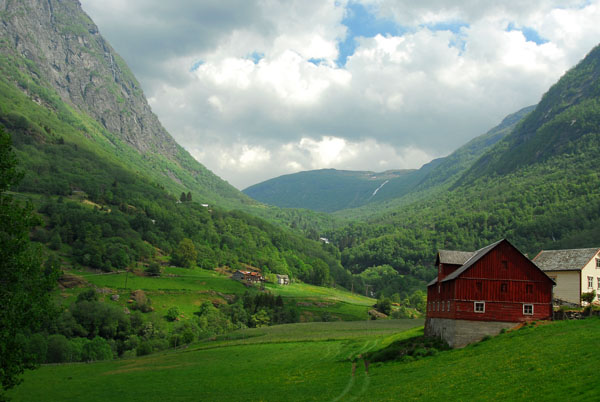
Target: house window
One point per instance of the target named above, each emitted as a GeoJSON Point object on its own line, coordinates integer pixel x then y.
{"type": "Point", "coordinates": [529, 288]}
{"type": "Point", "coordinates": [598, 263]}
{"type": "Point", "coordinates": [590, 282]}
{"type": "Point", "coordinates": [503, 287]}
{"type": "Point", "coordinates": [598, 283]}
{"type": "Point", "coordinates": [527, 309]}
{"type": "Point", "coordinates": [480, 307]}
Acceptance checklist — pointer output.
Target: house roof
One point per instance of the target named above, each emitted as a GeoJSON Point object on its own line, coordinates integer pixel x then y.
{"type": "Point", "coordinates": [433, 282]}
{"type": "Point", "coordinates": [564, 260]}
{"type": "Point", "coordinates": [282, 276]}
{"type": "Point", "coordinates": [468, 258]}
{"type": "Point", "coordinates": [453, 257]}
{"type": "Point", "coordinates": [474, 258]}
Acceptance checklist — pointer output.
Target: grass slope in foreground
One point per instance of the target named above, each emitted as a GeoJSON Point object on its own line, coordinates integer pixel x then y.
{"type": "Point", "coordinates": [553, 362]}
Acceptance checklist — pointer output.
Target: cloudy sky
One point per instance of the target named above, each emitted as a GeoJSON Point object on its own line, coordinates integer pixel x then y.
{"type": "Point", "coordinates": [255, 89]}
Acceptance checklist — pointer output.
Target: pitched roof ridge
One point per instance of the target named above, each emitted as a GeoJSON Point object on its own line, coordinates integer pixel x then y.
{"type": "Point", "coordinates": [477, 255]}
{"type": "Point", "coordinates": [571, 249]}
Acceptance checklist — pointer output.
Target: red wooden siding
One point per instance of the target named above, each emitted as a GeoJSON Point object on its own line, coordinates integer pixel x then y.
{"type": "Point", "coordinates": [504, 279]}
{"type": "Point", "coordinates": [446, 269]}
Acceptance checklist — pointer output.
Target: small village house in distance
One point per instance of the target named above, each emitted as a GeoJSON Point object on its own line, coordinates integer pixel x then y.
{"type": "Point", "coordinates": [248, 276]}
{"type": "Point", "coordinates": [482, 292]}
{"type": "Point", "coordinates": [283, 279]}
{"type": "Point", "coordinates": [575, 271]}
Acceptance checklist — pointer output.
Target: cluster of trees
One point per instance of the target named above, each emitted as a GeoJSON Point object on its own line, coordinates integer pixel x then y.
{"type": "Point", "coordinates": [417, 301]}
{"type": "Point", "coordinates": [94, 330]}
{"type": "Point", "coordinates": [25, 278]}
{"type": "Point", "coordinates": [91, 329]}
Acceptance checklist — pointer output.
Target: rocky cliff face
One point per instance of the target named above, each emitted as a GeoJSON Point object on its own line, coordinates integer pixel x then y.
{"type": "Point", "coordinates": [82, 67]}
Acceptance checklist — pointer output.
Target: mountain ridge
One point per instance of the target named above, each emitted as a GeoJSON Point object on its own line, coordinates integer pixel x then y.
{"type": "Point", "coordinates": [332, 190]}
{"type": "Point", "coordinates": [59, 48]}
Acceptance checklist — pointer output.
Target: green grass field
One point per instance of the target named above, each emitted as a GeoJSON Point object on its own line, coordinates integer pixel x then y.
{"type": "Point", "coordinates": [188, 288]}
{"type": "Point", "coordinates": [302, 362]}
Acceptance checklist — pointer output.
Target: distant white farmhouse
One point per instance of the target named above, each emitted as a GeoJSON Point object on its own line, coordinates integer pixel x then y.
{"type": "Point", "coordinates": [575, 271]}
{"type": "Point", "coordinates": [283, 280]}
{"type": "Point", "coordinates": [324, 240]}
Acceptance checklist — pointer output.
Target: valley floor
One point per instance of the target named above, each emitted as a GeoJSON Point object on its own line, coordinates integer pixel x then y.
{"type": "Point", "coordinates": [313, 361]}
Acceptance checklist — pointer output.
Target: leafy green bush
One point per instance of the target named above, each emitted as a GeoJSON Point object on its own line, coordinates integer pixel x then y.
{"type": "Point", "coordinates": [409, 349]}
{"type": "Point", "coordinates": [384, 306]}
{"type": "Point", "coordinates": [588, 297]}
{"type": "Point", "coordinates": [58, 349]}
{"type": "Point", "coordinates": [173, 313]}
{"type": "Point", "coordinates": [97, 349]}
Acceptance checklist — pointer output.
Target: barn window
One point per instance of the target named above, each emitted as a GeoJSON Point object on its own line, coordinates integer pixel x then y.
{"type": "Point", "coordinates": [478, 285]}
{"type": "Point", "coordinates": [505, 264]}
{"type": "Point", "coordinates": [529, 288]}
{"type": "Point", "coordinates": [590, 282]}
{"type": "Point", "coordinates": [443, 309]}
{"type": "Point", "coordinates": [480, 307]}
{"type": "Point", "coordinates": [527, 309]}
{"type": "Point", "coordinates": [503, 287]}
{"type": "Point", "coordinates": [448, 305]}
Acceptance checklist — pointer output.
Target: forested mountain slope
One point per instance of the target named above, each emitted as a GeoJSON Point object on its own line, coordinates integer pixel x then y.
{"type": "Point", "coordinates": [325, 190]}
{"type": "Point", "coordinates": [331, 190]}
{"type": "Point", "coordinates": [53, 54]}
{"type": "Point", "coordinates": [538, 187]}
{"type": "Point", "coordinates": [567, 114]}
{"type": "Point", "coordinates": [114, 188]}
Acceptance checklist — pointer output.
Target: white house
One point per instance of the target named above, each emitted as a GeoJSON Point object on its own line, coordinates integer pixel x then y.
{"type": "Point", "coordinates": [575, 271]}
{"type": "Point", "coordinates": [283, 280]}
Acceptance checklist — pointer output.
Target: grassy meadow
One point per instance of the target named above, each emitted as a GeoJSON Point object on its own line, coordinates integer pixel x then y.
{"type": "Point", "coordinates": [311, 361]}
{"type": "Point", "coordinates": [189, 288]}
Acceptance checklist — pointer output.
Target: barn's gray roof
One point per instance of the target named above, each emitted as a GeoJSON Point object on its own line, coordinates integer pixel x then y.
{"type": "Point", "coordinates": [454, 257]}
{"type": "Point", "coordinates": [464, 258]}
{"type": "Point", "coordinates": [564, 260]}
{"type": "Point", "coordinates": [474, 258]}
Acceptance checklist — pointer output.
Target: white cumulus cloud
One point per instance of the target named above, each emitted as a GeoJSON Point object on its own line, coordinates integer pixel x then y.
{"type": "Point", "coordinates": [254, 89]}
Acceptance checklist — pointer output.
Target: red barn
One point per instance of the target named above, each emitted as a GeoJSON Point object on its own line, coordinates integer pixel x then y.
{"type": "Point", "coordinates": [479, 293]}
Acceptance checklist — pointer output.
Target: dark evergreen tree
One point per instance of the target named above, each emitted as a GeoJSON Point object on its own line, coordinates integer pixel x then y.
{"type": "Point", "coordinates": [25, 283]}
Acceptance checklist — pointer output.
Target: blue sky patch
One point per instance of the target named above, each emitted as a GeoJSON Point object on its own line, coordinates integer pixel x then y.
{"type": "Point", "coordinates": [363, 21]}
{"type": "Point", "coordinates": [316, 62]}
{"type": "Point", "coordinates": [196, 65]}
{"type": "Point", "coordinates": [530, 34]}
{"type": "Point", "coordinates": [256, 57]}
{"type": "Point", "coordinates": [452, 26]}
